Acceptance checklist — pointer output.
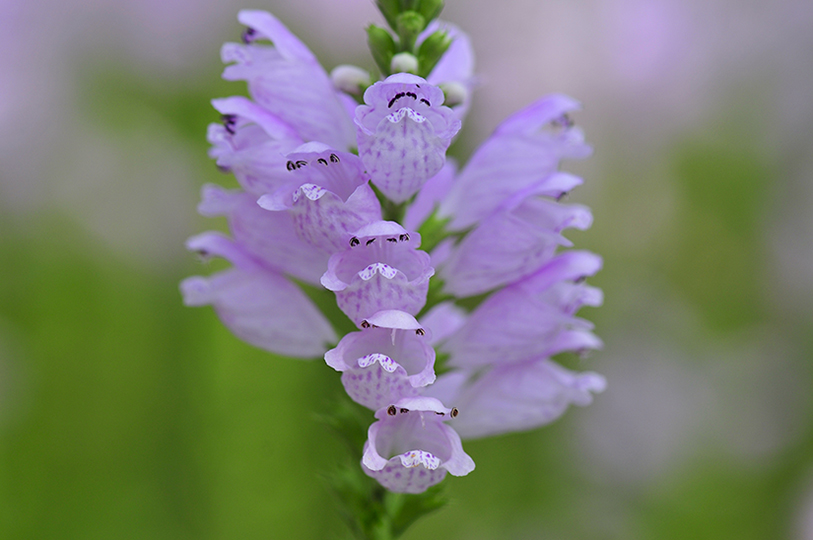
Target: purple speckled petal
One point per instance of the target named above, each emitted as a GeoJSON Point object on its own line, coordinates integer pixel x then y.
{"type": "Point", "coordinates": [509, 245]}
{"type": "Point", "coordinates": [247, 299]}
{"type": "Point", "coordinates": [413, 449]}
{"type": "Point", "coordinates": [521, 152]}
{"type": "Point", "coordinates": [381, 365]}
{"type": "Point", "coordinates": [324, 219]}
{"type": "Point", "coordinates": [403, 132]}
{"type": "Point", "coordinates": [380, 287]}
{"type": "Point", "coordinates": [327, 194]}
{"type": "Point", "coordinates": [267, 236]}
{"type": "Point", "coordinates": [516, 397]}
{"type": "Point", "coordinates": [288, 81]}
{"type": "Point", "coordinates": [521, 321]}
{"type": "Point", "coordinates": [378, 272]}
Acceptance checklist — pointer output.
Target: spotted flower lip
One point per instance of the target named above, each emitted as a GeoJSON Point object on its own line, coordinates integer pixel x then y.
{"type": "Point", "coordinates": [247, 298]}
{"type": "Point", "coordinates": [286, 79]}
{"type": "Point", "coordinates": [410, 448]}
{"type": "Point", "coordinates": [403, 131]}
{"type": "Point", "coordinates": [327, 194]}
{"type": "Point", "coordinates": [384, 362]}
{"type": "Point", "coordinates": [380, 269]}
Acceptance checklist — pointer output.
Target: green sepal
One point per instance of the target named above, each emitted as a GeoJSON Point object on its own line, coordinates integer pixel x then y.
{"type": "Point", "coordinates": [409, 25]}
{"type": "Point", "coordinates": [382, 47]}
{"type": "Point", "coordinates": [430, 9]}
{"type": "Point", "coordinates": [433, 230]}
{"type": "Point", "coordinates": [431, 51]}
{"type": "Point", "coordinates": [390, 9]}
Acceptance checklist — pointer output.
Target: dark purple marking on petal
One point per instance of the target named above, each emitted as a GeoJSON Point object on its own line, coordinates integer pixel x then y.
{"type": "Point", "coordinates": [248, 36]}
{"type": "Point", "coordinates": [564, 121]}
{"type": "Point", "coordinates": [229, 122]}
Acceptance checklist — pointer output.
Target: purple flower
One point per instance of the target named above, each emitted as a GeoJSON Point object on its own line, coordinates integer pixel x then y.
{"type": "Point", "coordinates": [286, 79]}
{"type": "Point", "coordinates": [403, 133]}
{"type": "Point", "coordinates": [513, 242]}
{"type": "Point", "coordinates": [247, 298]}
{"type": "Point", "coordinates": [514, 397]}
{"type": "Point", "coordinates": [307, 213]}
{"type": "Point", "coordinates": [411, 448]}
{"type": "Point", "coordinates": [531, 318]}
{"type": "Point", "coordinates": [251, 143]}
{"type": "Point", "coordinates": [385, 362]}
{"type": "Point", "coordinates": [327, 193]}
{"type": "Point", "coordinates": [522, 156]}
{"type": "Point", "coordinates": [379, 269]}
{"type": "Point", "coordinates": [270, 237]}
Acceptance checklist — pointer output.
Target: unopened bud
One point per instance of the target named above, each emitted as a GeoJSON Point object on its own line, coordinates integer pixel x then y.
{"type": "Point", "coordinates": [455, 93]}
{"type": "Point", "coordinates": [404, 63]}
{"type": "Point", "coordinates": [350, 79]}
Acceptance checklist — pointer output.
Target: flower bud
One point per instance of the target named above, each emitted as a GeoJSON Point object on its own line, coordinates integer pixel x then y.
{"type": "Point", "coordinates": [350, 79]}
{"type": "Point", "coordinates": [404, 63]}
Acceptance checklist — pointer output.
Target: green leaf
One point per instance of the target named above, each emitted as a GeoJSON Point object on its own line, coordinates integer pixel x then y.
{"type": "Point", "coordinates": [429, 9]}
{"type": "Point", "coordinates": [390, 9]}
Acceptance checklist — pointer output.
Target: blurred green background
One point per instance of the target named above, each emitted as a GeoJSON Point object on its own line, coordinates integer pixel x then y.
{"type": "Point", "coordinates": [125, 415]}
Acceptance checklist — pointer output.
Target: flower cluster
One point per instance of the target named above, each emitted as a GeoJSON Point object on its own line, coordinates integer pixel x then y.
{"type": "Point", "coordinates": [338, 175]}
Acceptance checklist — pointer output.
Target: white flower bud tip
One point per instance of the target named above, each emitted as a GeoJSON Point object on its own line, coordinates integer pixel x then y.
{"type": "Point", "coordinates": [350, 79]}
{"type": "Point", "coordinates": [404, 63]}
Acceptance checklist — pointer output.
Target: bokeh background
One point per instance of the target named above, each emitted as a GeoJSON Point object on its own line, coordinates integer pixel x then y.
{"type": "Point", "coordinates": [125, 415]}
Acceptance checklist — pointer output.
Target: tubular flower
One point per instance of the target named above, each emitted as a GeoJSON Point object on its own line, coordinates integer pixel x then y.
{"type": "Point", "coordinates": [285, 78]}
{"type": "Point", "coordinates": [380, 269]}
{"type": "Point", "coordinates": [403, 133]}
{"type": "Point", "coordinates": [411, 448]}
{"type": "Point", "coordinates": [312, 212]}
{"type": "Point", "coordinates": [389, 359]}
{"type": "Point", "coordinates": [326, 193]}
